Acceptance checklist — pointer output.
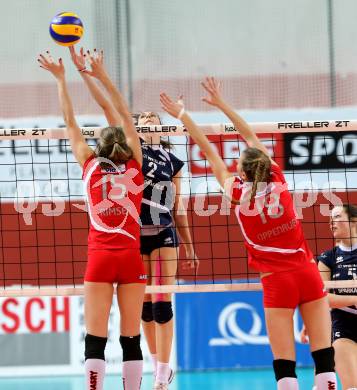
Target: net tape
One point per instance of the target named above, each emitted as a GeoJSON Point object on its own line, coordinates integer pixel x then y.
{"type": "Point", "coordinates": [172, 130]}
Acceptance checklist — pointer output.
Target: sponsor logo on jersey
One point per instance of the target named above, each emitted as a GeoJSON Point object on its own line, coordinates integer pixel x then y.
{"type": "Point", "coordinates": [162, 157]}
{"type": "Point", "coordinates": [118, 169]}
{"type": "Point", "coordinates": [168, 240]}
{"type": "Point", "coordinates": [339, 259]}
{"type": "Point", "coordinates": [347, 290]}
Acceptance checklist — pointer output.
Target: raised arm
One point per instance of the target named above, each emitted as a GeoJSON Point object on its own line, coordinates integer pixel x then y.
{"type": "Point", "coordinates": [98, 71]}
{"type": "Point", "coordinates": [176, 109]}
{"type": "Point", "coordinates": [181, 223]}
{"type": "Point", "coordinates": [79, 60]}
{"type": "Point", "coordinates": [79, 145]}
{"type": "Point", "coordinates": [215, 99]}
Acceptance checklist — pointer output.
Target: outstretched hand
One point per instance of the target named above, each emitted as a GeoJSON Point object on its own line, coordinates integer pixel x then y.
{"type": "Point", "coordinates": [175, 109]}
{"type": "Point", "coordinates": [96, 62]}
{"type": "Point", "coordinates": [78, 59]}
{"type": "Point", "coordinates": [213, 88]}
{"type": "Point", "coordinates": [46, 62]}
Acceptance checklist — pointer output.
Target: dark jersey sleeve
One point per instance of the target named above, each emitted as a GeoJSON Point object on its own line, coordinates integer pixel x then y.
{"type": "Point", "coordinates": [177, 164]}
{"type": "Point", "coordinates": [327, 258]}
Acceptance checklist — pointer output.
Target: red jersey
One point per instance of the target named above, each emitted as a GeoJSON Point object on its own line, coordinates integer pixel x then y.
{"type": "Point", "coordinates": [114, 196]}
{"type": "Point", "coordinates": [271, 229]}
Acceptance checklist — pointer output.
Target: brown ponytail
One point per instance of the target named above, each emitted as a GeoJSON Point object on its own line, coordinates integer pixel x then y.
{"type": "Point", "coordinates": [166, 144]}
{"type": "Point", "coordinates": [256, 165]}
{"type": "Point", "coordinates": [112, 146]}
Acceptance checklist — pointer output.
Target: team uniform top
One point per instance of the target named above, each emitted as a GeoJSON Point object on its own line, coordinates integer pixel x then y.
{"type": "Point", "coordinates": [159, 167]}
{"type": "Point", "coordinates": [343, 265]}
{"type": "Point", "coordinates": [114, 195]}
{"type": "Point", "coordinates": [273, 234]}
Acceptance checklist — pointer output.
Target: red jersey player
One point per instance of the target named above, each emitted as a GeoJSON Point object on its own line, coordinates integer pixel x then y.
{"type": "Point", "coordinates": [114, 183]}
{"type": "Point", "coordinates": [159, 239]}
{"type": "Point", "coordinates": [275, 244]}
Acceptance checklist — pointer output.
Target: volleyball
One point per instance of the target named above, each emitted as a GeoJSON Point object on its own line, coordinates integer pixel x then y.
{"type": "Point", "coordinates": [66, 28]}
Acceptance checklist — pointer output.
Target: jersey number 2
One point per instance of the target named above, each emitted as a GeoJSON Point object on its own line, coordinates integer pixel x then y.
{"type": "Point", "coordinates": [153, 169]}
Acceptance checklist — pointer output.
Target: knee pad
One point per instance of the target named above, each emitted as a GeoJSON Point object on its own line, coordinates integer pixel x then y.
{"type": "Point", "coordinates": [324, 360]}
{"type": "Point", "coordinates": [146, 314]}
{"type": "Point", "coordinates": [284, 369]}
{"type": "Point", "coordinates": [162, 312]}
{"type": "Point", "coordinates": [131, 348]}
{"type": "Point", "coordinates": [94, 347]}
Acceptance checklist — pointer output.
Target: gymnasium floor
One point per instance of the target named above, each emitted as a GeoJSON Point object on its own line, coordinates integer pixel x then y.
{"type": "Point", "coordinates": [222, 380]}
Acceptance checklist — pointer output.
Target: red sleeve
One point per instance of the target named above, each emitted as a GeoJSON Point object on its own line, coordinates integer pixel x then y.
{"type": "Point", "coordinates": [85, 165]}
{"type": "Point", "coordinates": [277, 174]}
{"type": "Point", "coordinates": [237, 188]}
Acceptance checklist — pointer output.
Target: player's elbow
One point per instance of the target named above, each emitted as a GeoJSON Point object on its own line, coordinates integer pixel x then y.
{"type": "Point", "coordinates": [333, 302]}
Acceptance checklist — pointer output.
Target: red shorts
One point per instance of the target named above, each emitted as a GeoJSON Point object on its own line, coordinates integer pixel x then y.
{"type": "Point", "coordinates": [289, 289]}
{"type": "Point", "coordinates": [122, 266]}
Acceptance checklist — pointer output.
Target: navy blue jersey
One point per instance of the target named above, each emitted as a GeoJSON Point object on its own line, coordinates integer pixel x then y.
{"type": "Point", "coordinates": [159, 167]}
{"type": "Point", "coordinates": [343, 266]}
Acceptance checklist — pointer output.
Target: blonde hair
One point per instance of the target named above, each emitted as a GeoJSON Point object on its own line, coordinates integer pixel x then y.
{"type": "Point", "coordinates": [256, 165]}
{"type": "Point", "coordinates": [113, 146]}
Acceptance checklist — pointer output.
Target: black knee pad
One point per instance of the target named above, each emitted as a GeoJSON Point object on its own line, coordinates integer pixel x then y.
{"type": "Point", "coordinates": [162, 312]}
{"type": "Point", "coordinates": [94, 347]}
{"type": "Point", "coordinates": [284, 369]}
{"type": "Point", "coordinates": [324, 360]}
{"type": "Point", "coordinates": [131, 348]}
{"type": "Point", "coordinates": [146, 314]}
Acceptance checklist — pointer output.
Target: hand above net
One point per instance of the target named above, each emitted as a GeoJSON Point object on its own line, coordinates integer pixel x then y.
{"type": "Point", "coordinates": [79, 59]}
{"type": "Point", "coordinates": [175, 109]}
{"type": "Point", "coordinates": [46, 62]}
{"type": "Point", "coordinates": [212, 87]}
{"type": "Point", "coordinates": [96, 62]}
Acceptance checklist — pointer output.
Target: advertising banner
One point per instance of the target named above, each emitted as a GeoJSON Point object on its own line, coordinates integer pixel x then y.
{"type": "Point", "coordinates": [226, 330]}
{"type": "Point", "coordinates": [45, 335]}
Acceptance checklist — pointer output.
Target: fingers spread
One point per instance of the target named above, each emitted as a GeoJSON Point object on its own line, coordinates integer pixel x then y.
{"type": "Point", "coordinates": [206, 87]}
{"type": "Point", "coordinates": [207, 101]}
{"type": "Point", "coordinates": [165, 98]}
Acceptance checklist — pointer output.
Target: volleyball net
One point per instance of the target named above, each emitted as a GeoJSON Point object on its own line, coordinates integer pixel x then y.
{"type": "Point", "coordinates": [302, 60]}
{"type": "Point", "coordinates": [44, 221]}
